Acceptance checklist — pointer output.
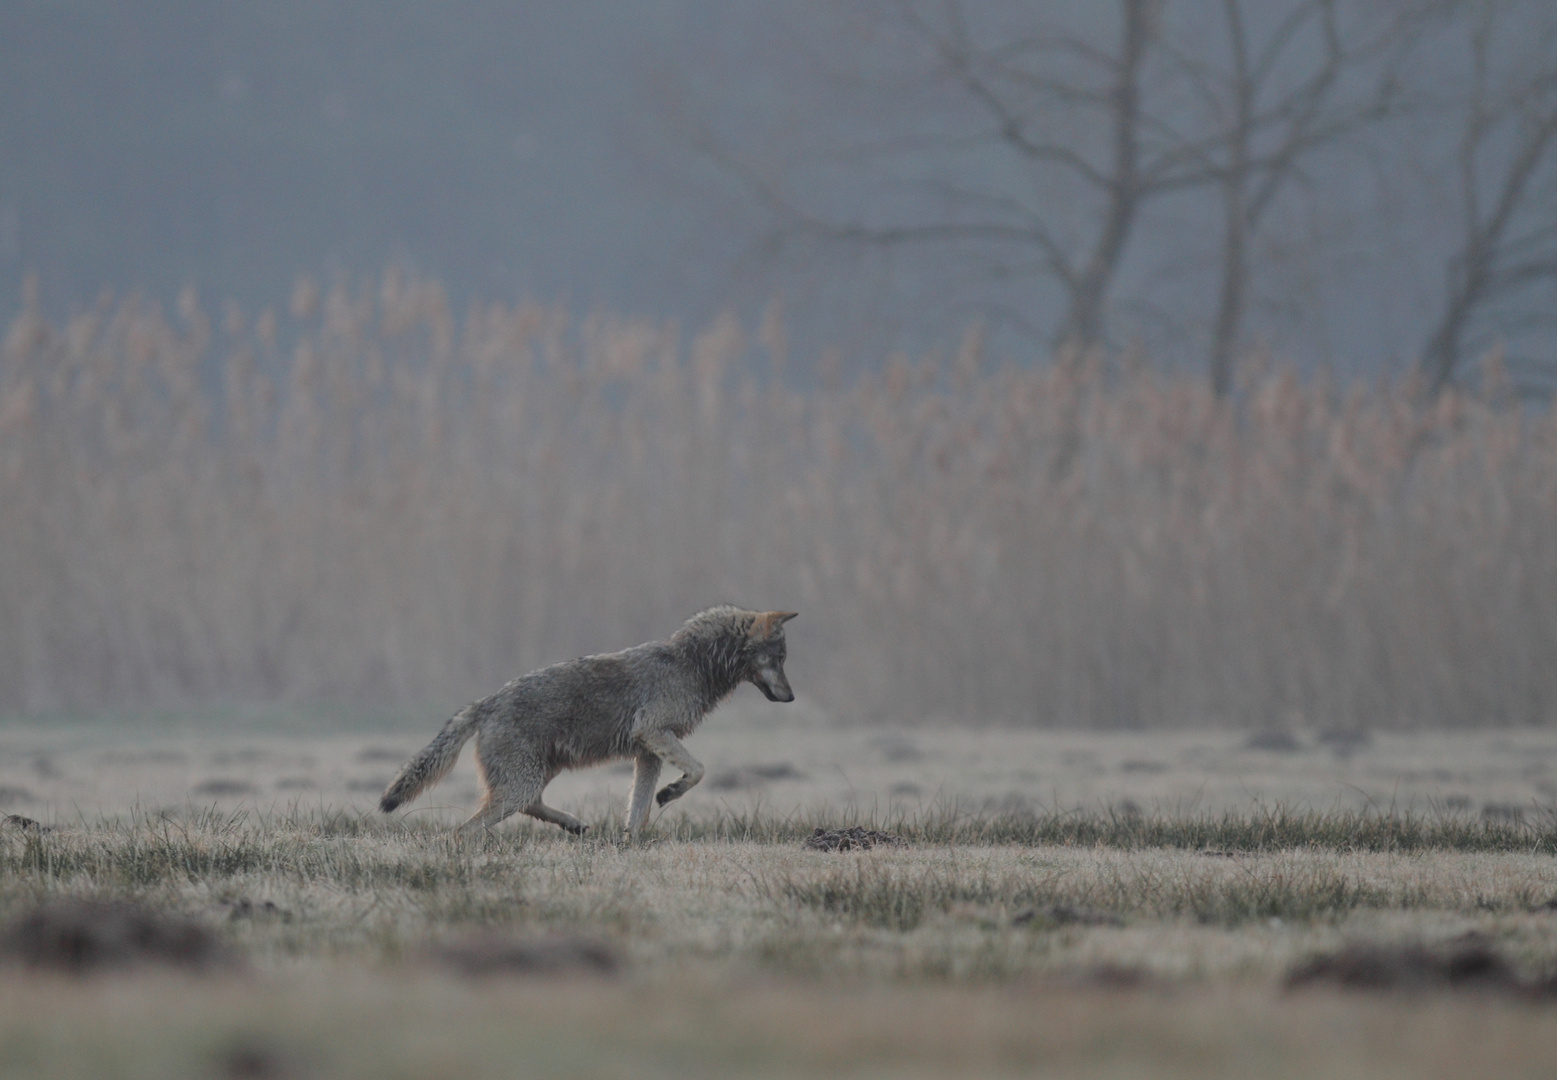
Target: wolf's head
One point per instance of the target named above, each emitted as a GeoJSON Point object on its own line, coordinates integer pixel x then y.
{"type": "Point", "coordinates": [765, 652]}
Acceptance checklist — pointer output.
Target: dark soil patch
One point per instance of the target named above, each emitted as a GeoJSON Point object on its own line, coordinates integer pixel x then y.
{"type": "Point", "coordinates": [857, 838]}
{"type": "Point", "coordinates": [243, 755]}
{"type": "Point", "coordinates": [1494, 811]}
{"type": "Point", "coordinates": [251, 1059]}
{"type": "Point", "coordinates": [1343, 742]}
{"type": "Point", "coordinates": [1067, 915]}
{"type": "Point", "coordinates": [83, 936]}
{"type": "Point", "coordinates": [897, 749]}
{"type": "Point", "coordinates": [244, 908]}
{"type": "Point", "coordinates": [749, 776]}
{"type": "Point", "coordinates": [143, 757]}
{"type": "Point", "coordinates": [1468, 963]}
{"type": "Point", "coordinates": [223, 787]}
{"type": "Point", "coordinates": [1111, 977]}
{"type": "Point", "coordinates": [1273, 741]}
{"type": "Point", "coordinates": [383, 753]}
{"type": "Point", "coordinates": [26, 824]}
{"type": "Point", "coordinates": [490, 954]}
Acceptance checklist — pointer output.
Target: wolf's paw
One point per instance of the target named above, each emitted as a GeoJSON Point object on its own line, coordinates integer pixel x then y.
{"type": "Point", "coordinates": [666, 794]}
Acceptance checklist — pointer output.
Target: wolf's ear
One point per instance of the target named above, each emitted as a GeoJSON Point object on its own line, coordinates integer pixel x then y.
{"type": "Point", "coordinates": [769, 623]}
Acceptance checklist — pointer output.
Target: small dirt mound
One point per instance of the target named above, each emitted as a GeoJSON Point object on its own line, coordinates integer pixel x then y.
{"type": "Point", "coordinates": [244, 908]}
{"type": "Point", "coordinates": [83, 936]}
{"type": "Point", "coordinates": [26, 824]}
{"type": "Point", "coordinates": [857, 838]}
{"type": "Point", "coordinates": [1466, 963]}
{"type": "Point", "coordinates": [1273, 741]}
{"type": "Point", "coordinates": [490, 954]}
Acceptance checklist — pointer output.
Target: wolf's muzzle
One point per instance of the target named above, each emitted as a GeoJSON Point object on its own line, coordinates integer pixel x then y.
{"type": "Point", "coordinates": [773, 684]}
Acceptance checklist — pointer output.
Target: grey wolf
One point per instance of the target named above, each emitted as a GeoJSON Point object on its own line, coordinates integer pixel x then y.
{"type": "Point", "coordinates": [638, 703]}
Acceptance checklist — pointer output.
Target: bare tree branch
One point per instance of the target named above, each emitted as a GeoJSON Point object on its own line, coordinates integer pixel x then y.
{"type": "Point", "coordinates": [1514, 124]}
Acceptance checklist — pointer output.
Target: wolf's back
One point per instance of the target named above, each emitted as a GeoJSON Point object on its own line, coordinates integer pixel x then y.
{"type": "Point", "coordinates": [433, 763]}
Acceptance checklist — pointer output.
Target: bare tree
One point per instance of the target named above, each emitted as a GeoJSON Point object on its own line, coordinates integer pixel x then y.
{"type": "Point", "coordinates": [1504, 164]}
{"type": "Point", "coordinates": [1276, 99]}
{"type": "Point", "coordinates": [1062, 135]}
{"type": "Point", "coordinates": [1033, 102]}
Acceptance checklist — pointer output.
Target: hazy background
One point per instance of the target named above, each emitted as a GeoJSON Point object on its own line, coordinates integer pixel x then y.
{"type": "Point", "coordinates": [627, 156]}
{"type": "Point", "coordinates": [1128, 365]}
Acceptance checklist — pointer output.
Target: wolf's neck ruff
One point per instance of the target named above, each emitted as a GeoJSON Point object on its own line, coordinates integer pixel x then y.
{"type": "Point", "coordinates": [715, 643]}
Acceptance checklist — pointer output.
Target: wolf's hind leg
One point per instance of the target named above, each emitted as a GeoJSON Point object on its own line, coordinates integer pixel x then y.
{"type": "Point", "coordinates": [541, 811]}
{"type": "Point", "coordinates": [646, 773]}
{"type": "Point", "coordinates": [670, 750]}
{"type": "Point", "coordinates": [493, 809]}
{"type": "Point", "coordinates": [511, 787]}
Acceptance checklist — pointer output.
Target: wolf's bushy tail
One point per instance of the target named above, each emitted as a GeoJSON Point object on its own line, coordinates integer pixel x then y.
{"type": "Point", "coordinates": [433, 763]}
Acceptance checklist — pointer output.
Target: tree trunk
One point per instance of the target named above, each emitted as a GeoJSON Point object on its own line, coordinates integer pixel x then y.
{"type": "Point", "coordinates": [1230, 305]}
{"type": "Point", "coordinates": [1084, 321]}
{"type": "Point", "coordinates": [1235, 258]}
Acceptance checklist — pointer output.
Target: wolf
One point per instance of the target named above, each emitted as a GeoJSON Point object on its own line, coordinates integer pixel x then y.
{"type": "Point", "coordinates": [638, 703]}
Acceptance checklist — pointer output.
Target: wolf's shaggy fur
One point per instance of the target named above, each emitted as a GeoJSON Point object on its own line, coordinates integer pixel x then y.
{"type": "Point", "coordinates": [638, 703]}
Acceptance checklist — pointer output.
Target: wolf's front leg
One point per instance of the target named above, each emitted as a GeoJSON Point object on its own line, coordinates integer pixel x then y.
{"type": "Point", "coordinates": [670, 750]}
{"type": "Point", "coordinates": [646, 773]}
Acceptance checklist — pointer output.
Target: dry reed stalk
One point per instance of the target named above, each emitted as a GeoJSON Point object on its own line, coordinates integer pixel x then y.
{"type": "Point", "coordinates": [374, 501]}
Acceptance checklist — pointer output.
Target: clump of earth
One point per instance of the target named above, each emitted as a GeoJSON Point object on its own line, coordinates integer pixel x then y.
{"type": "Point", "coordinates": [857, 838]}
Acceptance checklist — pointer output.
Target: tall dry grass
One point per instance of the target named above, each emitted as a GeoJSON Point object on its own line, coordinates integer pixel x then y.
{"type": "Point", "coordinates": [370, 499]}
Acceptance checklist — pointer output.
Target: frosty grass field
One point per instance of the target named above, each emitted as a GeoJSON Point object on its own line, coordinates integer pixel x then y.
{"type": "Point", "coordinates": [1065, 904]}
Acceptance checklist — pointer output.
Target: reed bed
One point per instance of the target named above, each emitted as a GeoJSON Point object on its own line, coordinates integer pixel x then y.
{"type": "Point", "coordinates": [367, 499]}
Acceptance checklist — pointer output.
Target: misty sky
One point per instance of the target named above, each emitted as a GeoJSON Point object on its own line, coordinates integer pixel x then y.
{"type": "Point", "coordinates": [551, 151]}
